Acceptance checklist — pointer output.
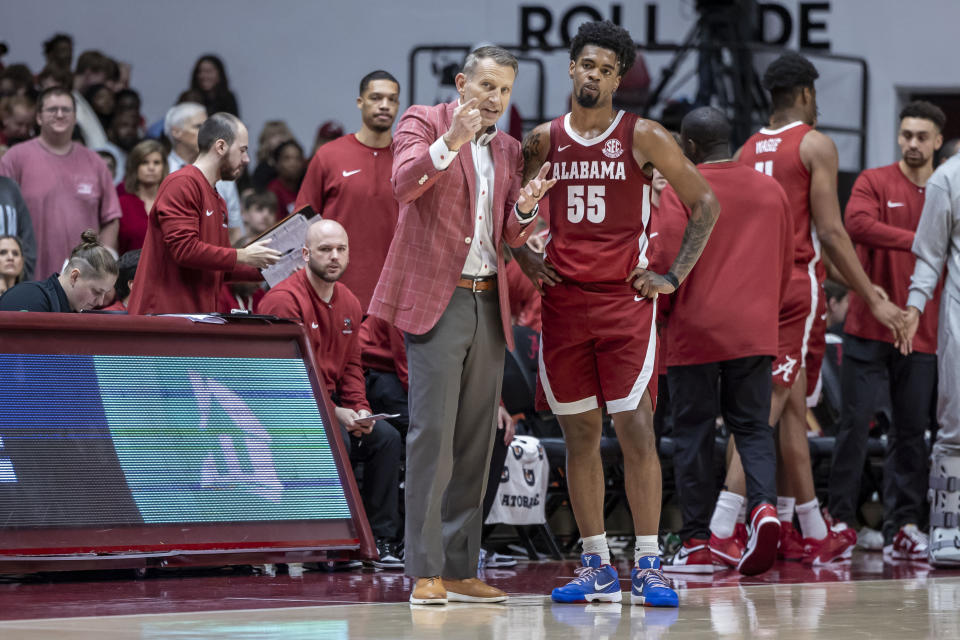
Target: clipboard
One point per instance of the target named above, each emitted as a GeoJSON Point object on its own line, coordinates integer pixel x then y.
{"type": "Point", "coordinates": [287, 237]}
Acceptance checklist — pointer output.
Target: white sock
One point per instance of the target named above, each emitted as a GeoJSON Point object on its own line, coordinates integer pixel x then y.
{"type": "Point", "coordinates": [645, 546]}
{"type": "Point", "coordinates": [811, 520]}
{"type": "Point", "coordinates": [598, 545]}
{"type": "Point", "coordinates": [742, 516]}
{"type": "Point", "coordinates": [785, 507]}
{"type": "Point", "coordinates": [725, 514]}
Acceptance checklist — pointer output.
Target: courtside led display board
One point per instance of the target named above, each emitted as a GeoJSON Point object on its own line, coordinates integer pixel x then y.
{"type": "Point", "coordinates": [156, 441]}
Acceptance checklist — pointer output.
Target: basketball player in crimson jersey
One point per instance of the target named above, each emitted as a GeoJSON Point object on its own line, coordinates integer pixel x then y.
{"type": "Point", "coordinates": [598, 342]}
{"type": "Point", "coordinates": [804, 162]}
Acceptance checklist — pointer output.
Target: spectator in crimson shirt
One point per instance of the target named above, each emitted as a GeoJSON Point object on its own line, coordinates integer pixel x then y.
{"type": "Point", "coordinates": [348, 180]}
{"type": "Point", "coordinates": [722, 338]}
{"type": "Point", "coordinates": [331, 316]}
{"type": "Point", "coordinates": [882, 217]}
{"type": "Point", "coordinates": [186, 253]}
{"type": "Point", "coordinates": [290, 164]}
{"type": "Point", "coordinates": [146, 169]}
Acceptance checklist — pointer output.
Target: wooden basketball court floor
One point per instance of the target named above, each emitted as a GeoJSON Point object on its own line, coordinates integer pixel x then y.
{"type": "Point", "coordinates": [864, 598]}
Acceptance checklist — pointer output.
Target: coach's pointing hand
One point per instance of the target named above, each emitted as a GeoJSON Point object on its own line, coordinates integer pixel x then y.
{"type": "Point", "coordinates": [466, 122]}
{"type": "Point", "coordinates": [537, 188]}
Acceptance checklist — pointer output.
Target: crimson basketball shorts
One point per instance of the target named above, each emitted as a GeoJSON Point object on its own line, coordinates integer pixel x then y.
{"type": "Point", "coordinates": [797, 315]}
{"type": "Point", "coordinates": [598, 346]}
{"type": "Point", "coordinates": [816, 347]}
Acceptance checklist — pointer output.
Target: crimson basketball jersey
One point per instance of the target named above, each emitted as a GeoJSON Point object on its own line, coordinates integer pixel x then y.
{"type": "Point", "coordinates": [600, 205]}
{"type": "Point", "coordinates": [776, 152]}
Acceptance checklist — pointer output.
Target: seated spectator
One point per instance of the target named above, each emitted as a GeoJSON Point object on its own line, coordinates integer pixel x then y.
{"type": "Point", "coordinates": [84, 283]}
{"type": "Point", "coordinates": [11, 262]}
{"type": "Point", "coordinates": [15, 221]}
{"type": "Point", "coordinates": [102, 101]}
{"type": "Point", "coordinates": [129, 100]}
{"type": "Point", "coordinates": [210, 78]}
{"type": "Point", "coordinates": [17, 80]}
{"type": "Point", "coordinates": [66, 186]}
{"type": "Point", "coordinates": [110, 159]}
{"type": "Point", "coordinates": [327, 132]}
{"type": "Point", "coordinates": [259, 212]}
{"type": "Point", "coordinates": [54, 77]}
{"type": "Point", "coordinates": [92, 68]}
{"type": "Point", "coordinates": [273, 133]}
{"type": "Point", "coordinates": [126, 270]}
{"type": "Point", "coordinates": [331, 316]}
{"type": "Point", "coordinates": [58, 51]}
{"type": "Point", "coordinates": [290, 165]}
{"type": "Point", "coordinates": [123, 134]}
{"type": "Point", "coordinates": [18, 115]}
{"type": "Point", "coordinates": [146, 168]}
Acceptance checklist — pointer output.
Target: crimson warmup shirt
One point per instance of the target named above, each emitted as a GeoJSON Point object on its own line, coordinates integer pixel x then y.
{"type": "Point", "coordinates": [285, 198]}
{"type": "Point", "coordinates": [333, 329]}
{"type": "Point", "coordinates": [383, 348]}
{"type": "Point", "coordinates": [600, 205]}
{"type": "Point", "coordinates": [776, 152]}
{"type": "Point", "coordinates": [881, 217]}
{"type": "Point", "coordinates": [133, 223]}
{"type": "Point", "coordinates": [186, 251]}
{"type": "Point", "coordinates": [729, 305]}
{"type": "Point", "coordinates": [349, 182]}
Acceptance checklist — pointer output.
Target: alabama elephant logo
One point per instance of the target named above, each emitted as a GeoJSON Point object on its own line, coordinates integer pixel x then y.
{"type": "Point", "coordinates": [529, 477]}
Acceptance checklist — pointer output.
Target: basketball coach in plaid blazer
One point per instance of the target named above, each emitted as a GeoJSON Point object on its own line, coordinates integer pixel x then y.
{"type": "Point", "coordinates": [458, 181]}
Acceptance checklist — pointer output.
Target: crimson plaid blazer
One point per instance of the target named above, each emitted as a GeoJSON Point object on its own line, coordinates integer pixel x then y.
{"type": "Point", "coordinates": [435, 228]}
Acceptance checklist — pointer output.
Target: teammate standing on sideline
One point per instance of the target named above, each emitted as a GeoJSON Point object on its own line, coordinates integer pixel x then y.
{"type": "Point", "coordinates": [804, 162]}
{"type": "Point", "coordinates": [721, 342]}
{"type": "Point", "coordinates": [881, 217]}
{"type": "Point", "coordinates": [348, 180]}
{"type": "Point", "coordinates": [599, 338]}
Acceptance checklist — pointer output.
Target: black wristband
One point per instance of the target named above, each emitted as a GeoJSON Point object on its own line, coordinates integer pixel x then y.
{"type": "Point", "coordinates": [526, 217]}
{"type": "Point", "coordinates": [672, 279]}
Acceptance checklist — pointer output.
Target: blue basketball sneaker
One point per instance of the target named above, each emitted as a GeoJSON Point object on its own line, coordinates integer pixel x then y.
{"type": "Point", "coordinates": [594, 582]}
{"type": "Point", "coordinates": [648, 586]}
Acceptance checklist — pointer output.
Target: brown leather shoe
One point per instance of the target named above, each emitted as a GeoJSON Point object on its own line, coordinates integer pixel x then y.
{"type": "Point", "coordinates": [429, 591]}
{"type": "Point", "coordinates": [472, 590]}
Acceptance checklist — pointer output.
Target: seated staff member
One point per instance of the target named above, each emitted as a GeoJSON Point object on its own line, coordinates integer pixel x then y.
{"type": "Point", "coordinates": [331, 315]}
{"type": "Point", "coordinates": [83, 284]}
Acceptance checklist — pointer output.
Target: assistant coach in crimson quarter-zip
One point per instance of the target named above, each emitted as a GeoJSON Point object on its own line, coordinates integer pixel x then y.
{"type": "Point", "coordinates": [186, 254]}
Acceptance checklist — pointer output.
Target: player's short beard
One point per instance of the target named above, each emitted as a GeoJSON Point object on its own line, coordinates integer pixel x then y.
{"type": "Point", "coordinates": [227, 172]}
{"type": "Point", "coordinates": [322, 274]}
{"type": "Point", "coordinates": [915, 162]}
{"type": "Point", "coordinates": [587, 101]}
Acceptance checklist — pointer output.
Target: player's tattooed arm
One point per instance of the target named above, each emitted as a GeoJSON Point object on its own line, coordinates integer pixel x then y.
{"type": "Point", "coordinates": [703, 215]}
{"type": "Point", "coordinates": [652, 143]}
{"type": "Point", "coordinates": [535, 150]}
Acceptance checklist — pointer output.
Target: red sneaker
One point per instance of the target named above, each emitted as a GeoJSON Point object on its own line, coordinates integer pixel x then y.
{"type": "Point", "coordinates": [761, 548]}
{"type": "Point", "coordinates": [838, 545]}
{"type": "Point", "coordinates": [693, 557]}
{"type": "Point", "coordinates": [727, 552]}
{"type": "Point", "coordinates": [791, 544]}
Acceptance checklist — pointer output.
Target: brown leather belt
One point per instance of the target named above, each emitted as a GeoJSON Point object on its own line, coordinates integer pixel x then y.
{"type": "Point", "coordinates": [478, 284]}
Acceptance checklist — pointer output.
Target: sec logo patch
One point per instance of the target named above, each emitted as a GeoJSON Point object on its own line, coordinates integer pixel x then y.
{"type": "Point", "coordinates": [612, 149]}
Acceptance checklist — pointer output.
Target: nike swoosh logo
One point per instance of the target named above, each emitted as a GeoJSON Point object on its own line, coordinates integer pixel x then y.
{"type": "Point", "coordinates": [894, 204]}
{"type": "Point", "coordinates": [566, 146]}
{"type": "Point", "coordinates": [638, 298]}
{"type": "Point", "coordinates": [601, 587]}
{"type": "Point", "coordinates": [347, 174]}
{"type": "Point", "coordinates": [314, 325]}
{"type": "Point", "coordinates": [209, 213]}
